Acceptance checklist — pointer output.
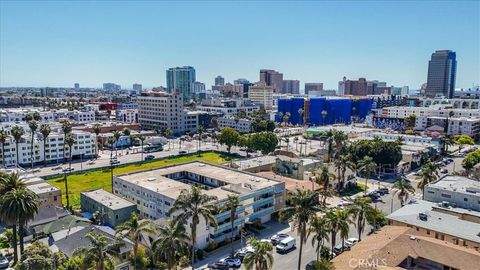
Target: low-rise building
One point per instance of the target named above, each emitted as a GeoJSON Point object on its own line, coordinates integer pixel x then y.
{"type": "Point", "coordinates": [457, 190]}
{"type": "Point", "coordinates": [395, 247]}
{"type": "Point", "coordinates": [110, 209]}
{"type": "Point", "coordinates": [155, 191]}
{"type": "Point", "coordinates": [242, 125]}
{"type": "Point", "coordinates": [295, 167]}
{"type": "Point", "coordinates": [127, 115]}
{"type": "Point", "coordinates": [227, 106]}
{"type": "Point", "coordinates": [261, 94]}
{"type": "Point", "coordinates": [440, 221]}
{"type": "Point", "coordinates": [47, 195]}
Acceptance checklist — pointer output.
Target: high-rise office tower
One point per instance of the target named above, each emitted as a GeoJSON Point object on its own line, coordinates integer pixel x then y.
{"type": "Point", "coordinates": [313, 87]}
{"type": "Point", "coordinates": [341, 86]}
{"type": "Point", "coordinates": [246, 84]}
{"type": "Point", "coordinates": [442, 69]}
{"type": "Point", "coordinates": [137, 87]}
{"type": "Point", "coordinates": [272, 78]}
{"type": "Point", "coordinates": [111, 87]}
{"type": "Point", "coordinates": [77, 86]}
{"type": "Point", "coordinates": [181, 80]}
{"type": "Point", "coordinates": [355, 88]}
{"type": "Point", "coordinates": [291, 86]}
{"type": "Point", "coordinates": [219, 81]}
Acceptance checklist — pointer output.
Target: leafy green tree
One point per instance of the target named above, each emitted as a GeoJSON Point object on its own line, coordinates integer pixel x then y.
{"type": "Point", "coordinates": [323, 264]}
{"type": "Point", "coordinates": [265, 142]}
{"type": "Point", "coordinates": [45, 130]}
{"type": "Point", "coordinates": [462, 140]}
{"type": "Point", "coordinates": [190, 206]}
{"type": "Point", "coordinates": [304, 207]}
{"type": "Point", "coordinates": [410, 121]}
{"type": "Point", "coordinates": [377, 218]}
{"type": "Point", "coordinates": [319, 229]}
{"type": "Point", "coordinates": [36, 116]}
{"type": "Point", "coordinates": [100, 253]}
{"type": "Point", "coordinates": [39, 256]}
{"type": "Point", "coordinates": [229, 137]}
{"type": "Point", "coordinates": [245, 142]}
{"type": "Point", "coordinates": [73, 263]}
{"type": "Point", "coordinates": [470, 161]}
{"type": "Point", "coordinates": [261, 258]}
{"type": "Point", "coordinates": [404, 189]}
{"type": "Point", "coordinates": [172, 243]}
{"type": "Point", "coordinates": [133, 229]}
{"type": "Point", "coordinates": [17, 133]}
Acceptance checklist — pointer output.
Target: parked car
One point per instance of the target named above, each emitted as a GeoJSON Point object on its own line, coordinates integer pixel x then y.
{"type": "Point", "coordinates": [4, 263]}
{"type": "Point", "coordinates": [350, 242]}
{"type": "Point", "coordinates": [114, 161]}
{"type": "Point", "coordinates": [444, 171]}
{"type": "Point", "coordinates": [338, 249]}
{"type": "Point", "coordinates": [278, 237]}
{"type": "Point", "coordinates": [232, 262]}
{"type": "Point", "coordinates": [68, 169]}
{"type": "Point", "coordinates": [310, 265]}
{"type": "Point", "coordinates": [219, 266]}
{"type": "Point", "coordinates": [182, 152]}
{"type": "Point", "coordinates": [286, 245]}
{"type": "Point", "coordinates": [383, 191]}
{"type": "Point", "coordinates": [149, 157]}
{"type": "Point", "coordinates": [56, 168]}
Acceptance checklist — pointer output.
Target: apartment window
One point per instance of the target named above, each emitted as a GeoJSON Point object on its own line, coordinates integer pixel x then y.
{"type": "Point", "coordinates": [446, 195]}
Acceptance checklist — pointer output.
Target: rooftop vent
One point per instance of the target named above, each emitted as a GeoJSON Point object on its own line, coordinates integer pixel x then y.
{"type": "Point", "coordinates": [151, 179]}
{"type": "Point", "coordinates": [423, 216]}
{"type": "Point", "coordinates": [412, 237]}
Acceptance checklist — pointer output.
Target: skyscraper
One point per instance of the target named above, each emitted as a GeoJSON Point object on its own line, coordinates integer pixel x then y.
{"type": "Point", "coordinates": [313, 87]}
{"type": "Point", "coordinates": [442, 69]}
{"type": "Point", "coordinates": [291, 86]}
{"type": "Point", "coordinates": [181, 79]}
{"type": "Point", "coordinates": [272, 78]}
{"type": "Point", "coordinates": [354, 88]}
{"type": "Point", "coordinates": [137, 88]}
{"type": "Point", "coordinates": [77, 86]}
{"type": "Point", "coordinates": [219, 81]}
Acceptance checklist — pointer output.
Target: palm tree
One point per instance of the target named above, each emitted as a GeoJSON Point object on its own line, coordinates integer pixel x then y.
{"type": "Point", "coordinates": [117, 136]}
{"type": "Point", "coordinates": [191, 205]}
{"type": "Point", "coordinates": [3, 139]}
{"type": "Point", "coordinates": [429, 174]}
{"type": "Point", "coordinates": [323, 264]}
{"type": "Point", "coordinates": [342, 163]}
{"type": "Point", "coordinates": [404, 189]}
{"type": "Point", "coordinates": [366, 167]}
{"type": "Point", "coordinates": [66, 129]}
{"type": "Point", "coordinates": [200, 133]}
{"type": "Point", "coordinates": [324, 115]}
{"type": "Point", "coordinates": [17, 206]}
{"type": "Point", "coordinates": [17, 133]}
{"type": "Point", "coordinates": [70, 141]}
{"type": "Point", "coordinates": [126, 132]}
{"type": "Point", "coordinates": [447, 140]}
{"type": "Point", "coordinates": [332, 218]}
{"type": "Point", "coordinates": [340, 138]}
{"type": "Point", "coordinates": [9, 182]}
{"type": "Point", "coordinates": [344, 225]}
{"type": "Point", "coordinates": [261, 258]}
{"type": "Point", "coordinates": [360, 209]}
{"type": "Point", "coordinates": [232, 203]}
{"type": "Point", "coordinates": [167, 133]}
{"type": "Point", "coordinates": [111, 142]}
{"type": "Point", "coordinates": [319, 229]}
{"type": "Point", "coordinates": [97, 128]}
{"type": "Point", "coordinates": [36, 116]}
{"type": "Point", "coordinates": [300, 114]}
{"type": "Point", "coordinates": [304, 208]}
{"type": "Point", "coordinates": [323, 179]}
{"type": "Point", "coordinates": [171, 243]}
{"type": "Point", "coordinates": [142, 139]}
{"type": "Point", "coordinates": [45, 130]}
{"type": "Point", "coordinates": [33, 125]}
{"type": "Point", "coordinates": [100, 252]}
{"type": "Point", "coordinates": [134, 228]}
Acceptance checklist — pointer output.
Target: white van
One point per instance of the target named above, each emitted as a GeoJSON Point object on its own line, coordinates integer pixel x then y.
{"type": "Point", "coordinates": [286, 245]}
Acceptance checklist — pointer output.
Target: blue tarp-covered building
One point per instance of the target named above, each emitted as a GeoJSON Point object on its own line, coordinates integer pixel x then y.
{"type": "Point", "coordinates": [325, 111]}
{"type": "Point", "coordinates": [292, 106]}
{"type": "Point", "coordinates": [361, 108]}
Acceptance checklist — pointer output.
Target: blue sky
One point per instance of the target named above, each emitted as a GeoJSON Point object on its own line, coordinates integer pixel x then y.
{"type": "Point", "coordinates": [59, 43]}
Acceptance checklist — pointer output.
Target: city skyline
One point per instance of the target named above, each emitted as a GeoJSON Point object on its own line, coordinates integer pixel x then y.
{"type": "Point", "coordinates": [58, 44]}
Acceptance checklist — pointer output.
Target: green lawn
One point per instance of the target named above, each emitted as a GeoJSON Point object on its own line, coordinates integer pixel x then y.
{"type": "Point", "coordinates": [101, 178]}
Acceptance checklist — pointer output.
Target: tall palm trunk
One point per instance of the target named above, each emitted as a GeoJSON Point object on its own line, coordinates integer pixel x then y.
{"type": "Point", "coordinates": [14, 243]}
{"type": "Point", "coordinates": [360, 227]}
{"type": "Point", "coordinates": [21, 234]}
{"type": "Point", "coordinates": [333, 239]}
{"type": "Point", "coordinates": [135, 252]}
{"type": "Point", "coordinates": [44, 152]}
{"type": "Point", "coordinates": [302, 239]}
{"type": "Point", "coordinates": [194, 235]}
{"type": "Point", "coordinates": [16, 149]}
{"type": "Point", "coordinates": [3, 155]}
{"type": "Point", "coordinates": [142, 150]}
{"type": "Point", "coordinates": [31, 151]}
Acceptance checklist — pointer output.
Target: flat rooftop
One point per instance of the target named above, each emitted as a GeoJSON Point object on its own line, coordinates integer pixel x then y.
{"type": "Point", "coordinates": [237, 182]}
{"type": "Point", "coordinates": [255, 162]}
{"type": "Point", "coordinates": [458, 184]}
{"type": "Point", "coordinates": [42, 188]}
{"type": "Point", "coordinates": [437, 221]}
{"type": "Point", "coordinates": [107, 199]}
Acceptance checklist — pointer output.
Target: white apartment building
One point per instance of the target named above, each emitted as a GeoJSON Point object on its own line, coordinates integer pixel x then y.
{"type": "Point", "coordinates": [456, 125]}
{"type": "Point", "coordinates": [459, 190]}
{"type": "Point", "coordinates": [155, 191]}
{"type": "Point", "coordinates": [243, 125]}
{"type": "Point", "coordinates": [157, 110]}
{"type": "Point", "coordinates": [18, 115]}
{"type": "Point", "coordinates": [261, 94]}
{"type": "Point", "coordinates": [127, 115]}
{"type": "Point", "coordinates": [402, 112]}
{"type": "Point", "coordinates": [227, 106]}
{"type": "Point", "coordinates": [84, 147]}
{"type": "Point", "coordinates": [91, 107]}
